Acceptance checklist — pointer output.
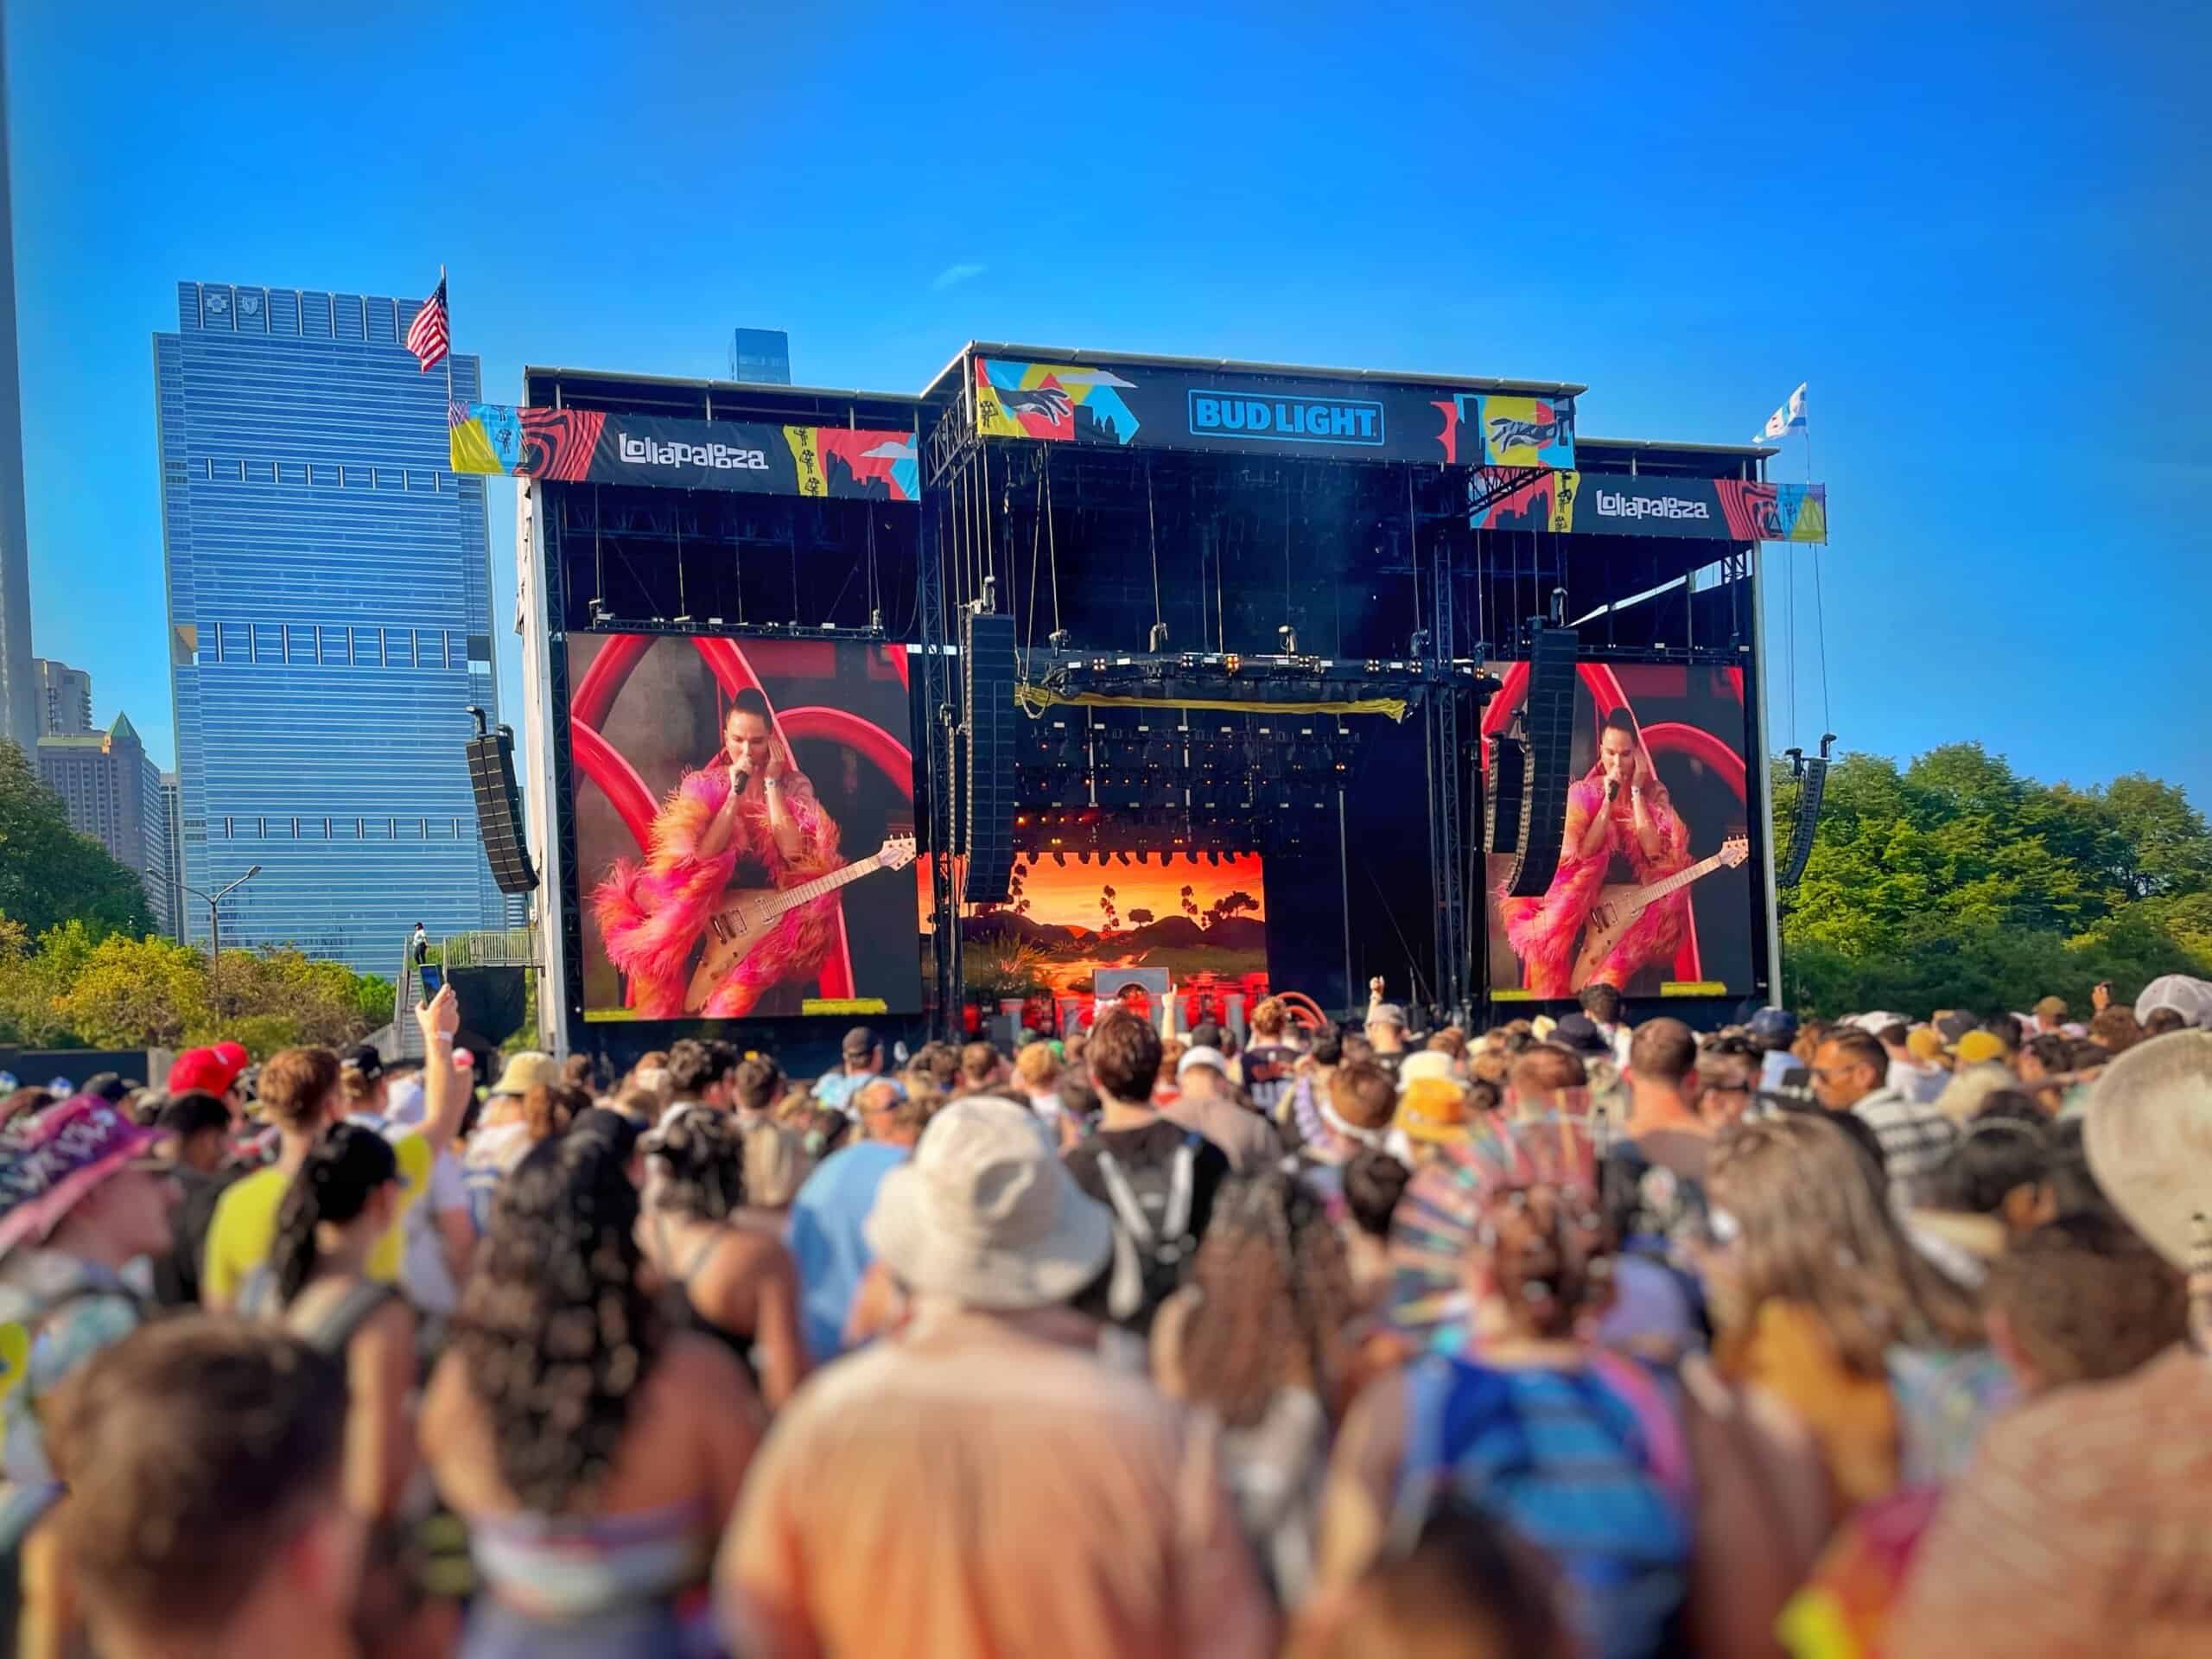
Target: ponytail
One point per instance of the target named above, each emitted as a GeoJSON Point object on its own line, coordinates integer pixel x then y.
{"type": "Point", "coordinates": [342, 1172]}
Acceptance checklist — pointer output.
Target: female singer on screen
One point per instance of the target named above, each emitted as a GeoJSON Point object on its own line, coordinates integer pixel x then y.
{"type": "Point", "coordinates": [1621, 828]}
{"type": "Point", "coordinates": [747, 818]}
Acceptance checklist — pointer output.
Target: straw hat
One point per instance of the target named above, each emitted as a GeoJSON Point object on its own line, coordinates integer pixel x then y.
{"type": "Point", "coordinates": [985, 1213]}
{"type": "Point", "coordinates": [2149, 1136]}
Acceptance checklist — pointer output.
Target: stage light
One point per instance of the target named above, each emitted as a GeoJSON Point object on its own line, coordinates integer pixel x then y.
{"type": "Point", "coordinates": [1060, 858]}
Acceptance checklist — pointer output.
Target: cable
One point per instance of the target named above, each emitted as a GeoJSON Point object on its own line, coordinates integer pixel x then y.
{"type": "Point", "coordinates": [1790, 650]}
{"type": "Point", "coordinates": [1036, 538]}
{"type": "Point", "coordinates": [1152, 525]}
{"type": "Point", "coordinates": [1052, 546]}
{"type": "Point", "coordinates": [1821, 618]}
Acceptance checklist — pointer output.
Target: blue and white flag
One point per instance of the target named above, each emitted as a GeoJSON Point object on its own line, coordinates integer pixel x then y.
{"type": "Point", "coordinates": [1790, 417]}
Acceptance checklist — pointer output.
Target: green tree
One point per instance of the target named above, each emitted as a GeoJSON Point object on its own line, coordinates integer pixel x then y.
{"type": "Point", "coordinates": [48, 873]}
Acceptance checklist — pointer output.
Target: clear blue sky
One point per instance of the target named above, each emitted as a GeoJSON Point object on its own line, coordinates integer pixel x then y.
{"type": "Point", "coordinates": [1985, 246]}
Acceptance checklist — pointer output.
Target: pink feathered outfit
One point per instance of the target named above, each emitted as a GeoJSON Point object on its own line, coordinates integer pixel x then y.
{"type": "Point", "coordinates": [1542, 930]}
{"type": "Point", "coordinates": [652, 915]}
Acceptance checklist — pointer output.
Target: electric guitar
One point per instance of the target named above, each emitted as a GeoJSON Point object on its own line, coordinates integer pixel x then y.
{"type": "Point", "coordinates": [747, 915]}
{"type": "Point", "coordinates": [1619, 907]}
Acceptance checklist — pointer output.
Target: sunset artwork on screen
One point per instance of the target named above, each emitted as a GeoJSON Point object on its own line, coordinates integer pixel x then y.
{"type": "Point", "coordinates": [1063, 922]}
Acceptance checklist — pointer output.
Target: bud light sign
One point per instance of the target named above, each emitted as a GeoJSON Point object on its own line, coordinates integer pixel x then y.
{"type": "Point", "coordinates": [1286, 420]}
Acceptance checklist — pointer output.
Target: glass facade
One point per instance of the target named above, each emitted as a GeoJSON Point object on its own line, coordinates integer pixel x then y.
{"type": "Point", "coordinates": [762, 356]}
{"type": "Point", "coordinates": [329, 594]}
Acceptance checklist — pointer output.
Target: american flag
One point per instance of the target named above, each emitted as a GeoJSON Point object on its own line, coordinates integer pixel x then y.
{"type": "Point", "coordinates": [427, 335]}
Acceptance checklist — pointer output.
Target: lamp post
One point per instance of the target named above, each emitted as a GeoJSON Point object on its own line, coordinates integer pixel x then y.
{"type": "Point", "coordinates": [215, 923]}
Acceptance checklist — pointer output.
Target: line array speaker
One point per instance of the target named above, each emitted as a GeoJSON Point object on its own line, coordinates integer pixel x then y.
{"type": "Point", "coordinates": [499, 810]}
{"type": "Point", "coordinates": [1813, 777]}
{"type": "Point", "coordinates": [1547, 719]}
{"type": "Point", "coordinates": [987, 786]}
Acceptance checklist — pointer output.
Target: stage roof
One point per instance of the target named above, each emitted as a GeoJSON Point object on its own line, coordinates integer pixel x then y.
{"type": "Point", "coordinates": [1228, 365]}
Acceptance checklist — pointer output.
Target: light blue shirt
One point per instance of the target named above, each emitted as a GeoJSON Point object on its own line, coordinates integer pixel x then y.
{"type": "Point", "coordinates": [837, 1090]}
{"type": "Point", "coordinates": [825, 1236]}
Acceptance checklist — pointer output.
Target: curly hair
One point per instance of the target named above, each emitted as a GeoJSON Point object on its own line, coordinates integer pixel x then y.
{"type": "Point", "coordinates": [555, 1333]}
{"type": "Point", "coordinates": [699, 1163]}
{"type": "Point", "coordinates": [1276, 1296]}
{"type": "Point", "coordinates": [342, 1172]}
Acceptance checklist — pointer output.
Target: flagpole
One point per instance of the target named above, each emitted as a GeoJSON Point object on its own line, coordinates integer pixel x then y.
{"type": "Point", "coordinates": [441, 289]}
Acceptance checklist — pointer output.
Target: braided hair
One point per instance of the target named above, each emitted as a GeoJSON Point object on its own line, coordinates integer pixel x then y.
{"type": "Point", "coordinates": [1277, 1297]}
{"type": "Point", "coordinates": [698, 1166]}
{"type": "Point", "coordinates": [342, 1172]}
{"type": "Point", "coordinates": [555, 1334]}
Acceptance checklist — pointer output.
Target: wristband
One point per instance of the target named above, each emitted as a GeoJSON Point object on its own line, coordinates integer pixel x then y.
{"type": "Point", "coordinates": [442, 1040]}
{"type": "Point", "coordinates": [772, 782]}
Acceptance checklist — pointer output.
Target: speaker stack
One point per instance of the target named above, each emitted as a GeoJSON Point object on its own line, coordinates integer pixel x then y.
{"type": "Point", "coordinates": [499, 810]}
{"type": "Point", "coordinates": [1548, 724]}
{"type": "Point", "coordinates": [987, 789]}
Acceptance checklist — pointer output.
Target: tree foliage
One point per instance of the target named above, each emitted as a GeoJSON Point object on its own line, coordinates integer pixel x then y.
{"type": "Point", "coordinates": [1956, 882]}
{"type": "Point", "coordinates": [49, 874]}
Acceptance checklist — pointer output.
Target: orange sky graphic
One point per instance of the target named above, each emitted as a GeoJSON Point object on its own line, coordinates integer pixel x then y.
{"type": "Point", "coordinates": [1067, 896]}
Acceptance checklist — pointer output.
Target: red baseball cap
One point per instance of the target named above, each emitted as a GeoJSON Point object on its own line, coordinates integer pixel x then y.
{"type": "Point", "coordinates": [212, 1069]}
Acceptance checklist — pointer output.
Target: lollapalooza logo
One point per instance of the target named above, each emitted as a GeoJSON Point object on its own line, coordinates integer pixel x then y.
{"type": "Point", "coordinates": [1614, 504]}
{"type": "Point", "coordinates": [722, 457]}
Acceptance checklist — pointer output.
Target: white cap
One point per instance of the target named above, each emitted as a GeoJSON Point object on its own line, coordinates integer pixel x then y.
{"type": "Point", "coordinates": [1202, 1056]}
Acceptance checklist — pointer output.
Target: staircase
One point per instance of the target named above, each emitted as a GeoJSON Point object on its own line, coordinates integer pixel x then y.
{"type": "Point", "coordinates": [406, 1032]}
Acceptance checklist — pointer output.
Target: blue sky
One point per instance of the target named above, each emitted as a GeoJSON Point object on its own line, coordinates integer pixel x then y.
{"type": "Point", "coordinates": [1985, 245]}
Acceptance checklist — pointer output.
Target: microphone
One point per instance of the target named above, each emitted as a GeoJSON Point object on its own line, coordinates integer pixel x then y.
{"type": "Point", "coordinates": [1613, 789]}
{"type": "Point", "coordinates": [740, 781]}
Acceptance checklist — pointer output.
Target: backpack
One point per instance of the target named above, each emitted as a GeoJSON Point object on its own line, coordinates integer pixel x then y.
{"type": "Point", "coordinates": [1151, 1210]}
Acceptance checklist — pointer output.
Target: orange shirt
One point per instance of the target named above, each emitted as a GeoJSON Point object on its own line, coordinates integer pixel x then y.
{"type": "Point", "coordinates": [980, 1487]}
{"type": "Point", "coordinates": [1852, 1418]}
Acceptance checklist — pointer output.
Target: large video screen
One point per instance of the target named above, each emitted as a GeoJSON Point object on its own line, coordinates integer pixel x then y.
{"type": "Point", "coordinates": [1653, 893]}
{"type": "Point", "coordinates": [744, 810]}
{"type": "Point", "coordinates": [1067, 916]}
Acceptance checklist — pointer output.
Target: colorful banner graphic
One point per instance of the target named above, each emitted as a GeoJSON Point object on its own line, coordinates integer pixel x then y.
{"type": "Point", "coordinates": [595, 446]}
{"type": "Point", "coordinates": [1155, 406]}
{"type": "Point", "coordinates": [1621, 504]}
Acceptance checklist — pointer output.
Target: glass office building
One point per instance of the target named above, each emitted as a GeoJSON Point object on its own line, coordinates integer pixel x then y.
{"type": "Point", "coordinates": [329, 594]}
{"type": "Point", "coordinates": [762, 356]}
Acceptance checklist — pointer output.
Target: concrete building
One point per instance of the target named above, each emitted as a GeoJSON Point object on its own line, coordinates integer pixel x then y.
{"type": "Point", "coordinates": [113, 793]}
{"type": "Point", "coordinates": [65, 699]}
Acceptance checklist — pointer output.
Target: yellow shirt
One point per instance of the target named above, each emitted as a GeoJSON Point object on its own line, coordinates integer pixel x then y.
{"type": "Point", "coordinates": [243, 1231]}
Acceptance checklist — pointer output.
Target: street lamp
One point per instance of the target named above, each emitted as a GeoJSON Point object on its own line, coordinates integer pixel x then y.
{"type": "Point", "coordinates": [215, 923]}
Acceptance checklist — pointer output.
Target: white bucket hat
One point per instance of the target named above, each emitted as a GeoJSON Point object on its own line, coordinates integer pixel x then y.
{"type": "Point", "coordinates": [985, 1213]}
{"type": "Point", "coordinates": [2148, 1133]}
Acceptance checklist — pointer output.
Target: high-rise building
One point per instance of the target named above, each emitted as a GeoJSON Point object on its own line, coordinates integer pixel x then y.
{"type": "Point", "coordinates": [113, 793]}
{"type": "Point", "coordinates": [329, 591]}
{"type": "Point", "coordinates": [760, 355]}
{"type": "Point", "coordinates": [173, 830]}
{"type": "Point", "coordinates": [65, 699]}
{"type": "Point", "coordinates": [18, 686]}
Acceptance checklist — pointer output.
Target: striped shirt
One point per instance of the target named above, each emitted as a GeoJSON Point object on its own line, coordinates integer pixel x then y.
{"type": "Point", "coordinates": [1915, 1139]}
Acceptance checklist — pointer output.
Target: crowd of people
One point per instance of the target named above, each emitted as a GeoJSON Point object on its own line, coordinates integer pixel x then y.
{"type": "Point", "coordinates": [1572, 1339]}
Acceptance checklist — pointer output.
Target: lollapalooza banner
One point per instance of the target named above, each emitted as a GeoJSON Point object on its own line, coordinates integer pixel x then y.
{"type": "Point", "coordinates": [1621, 504]}
{"type": "Point", "coordinates": [1193, 407]}
{"type": "Point", "coordinates": [593, 446]}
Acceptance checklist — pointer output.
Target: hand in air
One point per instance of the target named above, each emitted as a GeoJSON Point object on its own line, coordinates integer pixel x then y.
{"type": "Point", "coordinates": [778, 765]}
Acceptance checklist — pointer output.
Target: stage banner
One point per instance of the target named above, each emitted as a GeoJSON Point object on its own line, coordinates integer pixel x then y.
{"type": "Point", "coordinates": [1620, 504]}
{"type": "Point", "coordinates": [1195, 408]}
{"type": "Point", "coordinates": [595, 446]}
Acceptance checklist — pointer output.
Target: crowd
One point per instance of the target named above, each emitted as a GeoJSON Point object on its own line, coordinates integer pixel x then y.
{"type": "Point", "coordinates": [1569, 1339]}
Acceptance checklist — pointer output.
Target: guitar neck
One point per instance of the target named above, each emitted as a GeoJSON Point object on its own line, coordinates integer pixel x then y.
{"type": "Point", "coordinates": [1676, 882]}
{"type": "Point", "coordinates": [807, 891]}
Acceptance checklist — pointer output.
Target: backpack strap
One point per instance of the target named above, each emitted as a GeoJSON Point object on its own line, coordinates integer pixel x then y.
{"type": "Point", "coordinates": [1182, 1185]}
{"type": "Point", "coordinates": [353, 1310]}
{"type": "Point", "coordinates": [1123, 1197]}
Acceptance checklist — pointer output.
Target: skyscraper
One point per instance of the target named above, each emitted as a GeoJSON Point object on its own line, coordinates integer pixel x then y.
{"type": "Point", "coordinates": [173, 834]}
{"type": "Point", "coordinates": [760, 355]}
{"type": "Point", "coordinates": [65, 699]}
{"type": "Point", "coordinates": [113, 793]}
{"type": "Point", "coordinates": [329, 591]}
{"type": "Point", "coordinates": [18, 690]}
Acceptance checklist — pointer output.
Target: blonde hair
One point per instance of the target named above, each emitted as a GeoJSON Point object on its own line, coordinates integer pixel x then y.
{"type": "Point", "coordinates": [1817, 1231]}
{"type": "Point", "coordinates": [1037, 1065]}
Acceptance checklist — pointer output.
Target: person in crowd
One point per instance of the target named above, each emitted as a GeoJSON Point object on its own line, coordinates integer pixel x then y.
{"type": "Point", "coordinates": [1464, 1587]}
{"type": "Point", "coordinates": [437, 1228]}
{"type": "Point", "coordinates": [935, 1066]}
{"type": "Point", "coordinates": [982, 1070]}
{"type": "Point", "coordinates": [985, 1428]}
{"type": "Point", "coordinates": [217, 1069]}
{"type": "Point", "coordinates": [1206, 1101]}
{"type": "Point", "coordinates": [735, 1284]}
{"type": "Point", "coordinates": [343, 1197]}
{"type": "Point", "coordinates": [1604, 1096]}
{"type": "Point", "coordinates": [827, 1231]}
{"type": "Point", "coordinates": [22, 1104]}
{"type": "Point", "coordinates": [1373, 1184]}
{"type": "Point", "coordinates": [1355, 1112]}
{"type": "Point", "coordinates": [1981, 1067]}
{"type": "Point", "coordinates": [699, 1075]}
{"type": "Point", "coordinates": [859, 1062]}
{"type": "Point", "coordinates": [1260, 1336]}
{"type": "Point", "coordinates": [579, 1071]}
{"type": "Point", "coordinates": [1037, 1080]}
{"type": "Point", "coordinates": [2114, 1029]}
{"type": "Point", "coordinates": [1913, 1079]}
{"type": "Point", "coordinates": [1601, 1005]}
{"type": "Point", "coordinates": [1157, 1177]}
{"type": "Point", "coordinates": [650, 1074]}
{"type": "Point", "coordinates": [1817, 1285]}
{"type": "Point", "coordinates": [1545, 1080]}
{"type": "Point", "coordinates": [1271, 1060]}
{"type": "Point", "coordinates": [2082, 1299]}
{"type": "Point", "coordinates": [1653, 1182]}
{"type": "Point", "coordinates": [1851, 1074]}
{"type": "Point", "coordinates": [512, 1127]}
{"type": "Point", "coordinates": [1386, 1033]}
{"type": "Point", "coordinates": [2159, 1021]}
{"type": "Point", "coordinates": [1436, 1115]}
{"type": "Point", "coordinates": [299, 1089]}
{"type": "Point", "coordinates": [2051, 1014]}
{"type": "Point", "coordinates": [205, 1465]}
{"type": "Point", "coordinates": [594, 1454]}
{"type": "Point", "coordinates": [775, 1158]}
{"type": "Point", "coordinates": [1727, 1085]}
{"type": "Point", "coordinates": [1573, 1447]}
{"type": "Point", "coordinates": [194, 1130]}
{"type": "Point", "coordinates": [1993, 1190]}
